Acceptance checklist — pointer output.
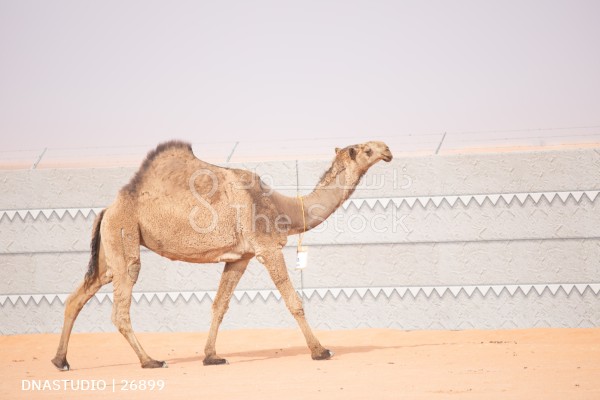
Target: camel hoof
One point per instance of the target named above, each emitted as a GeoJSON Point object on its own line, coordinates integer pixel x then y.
{"type": "Point", "coordinates": [61, 364]}
{"type": "Point", "coordinates": [325, 355]}
{"type": "Point", "coordinates": [214, 361]}
{"type": "Point", "coordinates": [155, 364]}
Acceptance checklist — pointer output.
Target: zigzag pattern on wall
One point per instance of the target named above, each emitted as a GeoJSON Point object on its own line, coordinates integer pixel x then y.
{"type": "Point", "coordinates": [48, 212]}
{"type": "Point", "coordinates": [424, 201]}
{"type": "Point", "coordinates": [388, 292]}
{"type": "Point", "coordinates": [436, 201]}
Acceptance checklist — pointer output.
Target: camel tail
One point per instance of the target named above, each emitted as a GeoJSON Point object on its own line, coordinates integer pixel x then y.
{"type": "Point", "coordinates": [92, 272]}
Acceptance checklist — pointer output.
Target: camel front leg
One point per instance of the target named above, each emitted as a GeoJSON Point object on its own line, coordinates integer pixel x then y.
{"type": "Point", "coordinates": [229, 279]}
{"type": "Point", "coordinates": [275, 264]}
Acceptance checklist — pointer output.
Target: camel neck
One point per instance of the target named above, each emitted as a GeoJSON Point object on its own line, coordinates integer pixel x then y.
{"type": "Point", "coordinates": [327, 196]}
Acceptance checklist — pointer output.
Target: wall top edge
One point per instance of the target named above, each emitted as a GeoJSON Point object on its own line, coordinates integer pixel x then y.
{"type": "Point", "coordinates": [450, 154]}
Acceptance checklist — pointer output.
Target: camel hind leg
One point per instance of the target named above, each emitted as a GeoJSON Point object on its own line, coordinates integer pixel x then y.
{"type": "Point", "coordinates": [73, 306]}
{"type": "Point", "coordinates": [122, 248]}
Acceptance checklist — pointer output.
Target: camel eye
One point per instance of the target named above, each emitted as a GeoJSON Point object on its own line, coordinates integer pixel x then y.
{"type": "Point", "coordinates": [369, 152]}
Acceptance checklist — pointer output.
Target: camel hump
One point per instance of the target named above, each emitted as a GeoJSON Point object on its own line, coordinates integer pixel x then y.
{"type": "Point", "coordinates": [173, 147]}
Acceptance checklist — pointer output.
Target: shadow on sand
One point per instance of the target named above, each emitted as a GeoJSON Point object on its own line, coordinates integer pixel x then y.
{"type": "Point", "coordinates": [133, 364]}
{"type": "Point", "coordinates": [268, 354]}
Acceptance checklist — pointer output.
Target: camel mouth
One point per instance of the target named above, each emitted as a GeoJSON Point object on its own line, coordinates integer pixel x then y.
{"type": "Point", "coordinates": [387, 157]}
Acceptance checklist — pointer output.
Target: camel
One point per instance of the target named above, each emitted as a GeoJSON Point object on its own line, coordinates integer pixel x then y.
{"type": "Point", "coordinates": [185, 209]}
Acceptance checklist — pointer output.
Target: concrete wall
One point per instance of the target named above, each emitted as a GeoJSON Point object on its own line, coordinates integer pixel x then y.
{"type": "Point", "coordinates": [440, 242]}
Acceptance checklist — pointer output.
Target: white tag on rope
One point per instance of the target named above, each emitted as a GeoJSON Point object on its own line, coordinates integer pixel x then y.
{"type": "Point", "coordinates": [301, 258]}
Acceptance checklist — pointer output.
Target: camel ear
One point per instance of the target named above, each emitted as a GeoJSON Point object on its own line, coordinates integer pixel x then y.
{"type": "Point", "coordinates": [337, 150]}
{"type": "Point", "coordinates": [352, 152]}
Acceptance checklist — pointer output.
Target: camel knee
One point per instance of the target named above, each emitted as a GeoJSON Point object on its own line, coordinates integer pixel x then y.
{"type": "Point", "coordinates": [133, 271]}
{"type": "Point", "coordinates": [297, 312]}
{"type": "Point", "coordinates": [296, 308]}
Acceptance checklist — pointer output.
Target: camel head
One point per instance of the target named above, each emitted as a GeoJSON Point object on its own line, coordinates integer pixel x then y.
{"type": "Point", "coordinates": [363, 156]}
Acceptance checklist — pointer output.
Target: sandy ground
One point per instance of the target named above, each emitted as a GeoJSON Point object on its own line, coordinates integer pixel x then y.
{"type": "Point", "coordinates": [266, 364]}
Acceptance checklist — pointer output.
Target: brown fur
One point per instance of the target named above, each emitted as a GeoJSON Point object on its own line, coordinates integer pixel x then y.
{"type": "Point", "coordinates": [186, 209]}
{"type": "Point", "coordinates": [135, 182]}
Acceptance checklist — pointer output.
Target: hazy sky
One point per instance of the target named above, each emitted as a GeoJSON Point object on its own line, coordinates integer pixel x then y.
{"type": "Point", "coordinates": [93, 73]}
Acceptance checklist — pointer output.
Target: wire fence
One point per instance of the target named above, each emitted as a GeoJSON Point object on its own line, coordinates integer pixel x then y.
{"type": "Point", "coordinates": [232, 151]}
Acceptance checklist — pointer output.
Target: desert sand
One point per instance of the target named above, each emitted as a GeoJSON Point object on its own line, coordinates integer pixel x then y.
{"type": "Point", "coordinates": [275, 364]}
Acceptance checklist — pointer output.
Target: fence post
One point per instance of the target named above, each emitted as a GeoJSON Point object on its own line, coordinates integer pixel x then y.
{"type": "Point", "coordinates": [440, 144]}
{"type": "Point", "coordinates": [35, 164]}
{"type": "Point", "coordinates": [232, 151]}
